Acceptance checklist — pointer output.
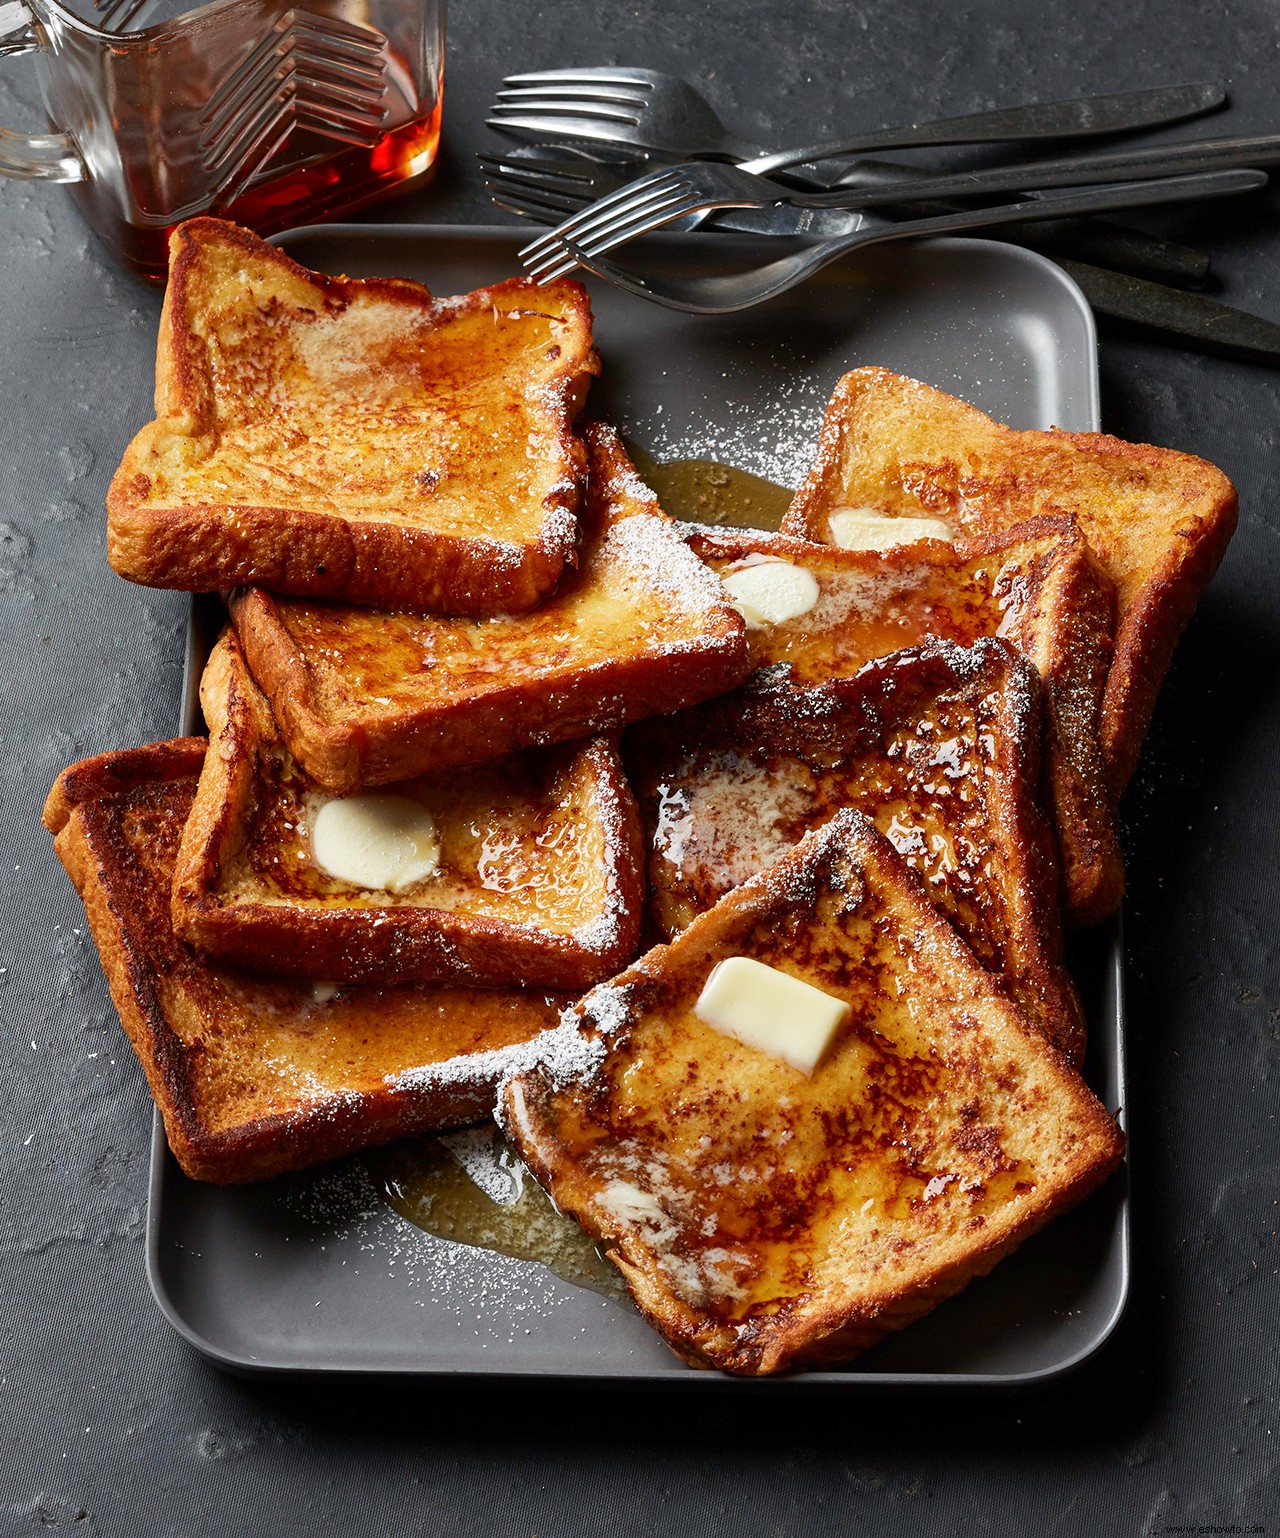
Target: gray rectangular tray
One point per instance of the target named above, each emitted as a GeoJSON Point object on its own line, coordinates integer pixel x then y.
{"type": "Point", "coordinates": [314, 1273]}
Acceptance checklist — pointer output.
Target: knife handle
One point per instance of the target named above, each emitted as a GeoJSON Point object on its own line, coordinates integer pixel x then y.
{"type": "Point", "coordinates": [1040, 120]}
{"type": "Point", "coordinates": [1169, 314]}
{"type": "Point", "coordinates": [1107, 244]}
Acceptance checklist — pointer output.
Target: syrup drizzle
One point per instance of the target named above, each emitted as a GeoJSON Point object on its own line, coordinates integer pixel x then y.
{"type": "Point", "coordinates": [470, 1188]}
{"type": "Point", "coordinates": [706, 491]}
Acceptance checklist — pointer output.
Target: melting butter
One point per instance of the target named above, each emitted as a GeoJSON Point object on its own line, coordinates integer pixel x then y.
{"type": "Point", "coordinates": [866, 528]}
{"type": "Point", "coordinates": [769, 593]}
{"type": "Point", "coordinates": [378, 842]}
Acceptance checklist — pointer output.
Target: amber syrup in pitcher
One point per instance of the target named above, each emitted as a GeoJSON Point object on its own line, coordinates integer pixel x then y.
{"type": "Point", "coordinates": [403, 157]}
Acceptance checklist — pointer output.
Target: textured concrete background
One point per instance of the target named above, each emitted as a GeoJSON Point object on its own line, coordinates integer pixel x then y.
{"type": "Point", "coordinates": [110, 1425]}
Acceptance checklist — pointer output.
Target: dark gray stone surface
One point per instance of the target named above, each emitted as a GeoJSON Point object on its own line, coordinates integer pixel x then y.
{"type": "Point", "coordinates": [110, 1425]}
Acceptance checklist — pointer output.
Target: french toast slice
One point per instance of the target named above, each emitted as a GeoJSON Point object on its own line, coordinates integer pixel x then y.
{"type": "Point", "coordinates": [254, 1078]}
{"type": "Point", "coordinates": [530, 871]}
{"type": "Point", "coordinates": [764, 1219]}
{"type": "Point", "coordinates": [354, 439]}
{"type": "Point", "coordinates": [938, 746]}
{"type": "Point", "coordinates": [640, 628]}
{"type": "Point", "coordinates": [1037, 585]}
{"type": "Point", "coordinates": [1159, 521]}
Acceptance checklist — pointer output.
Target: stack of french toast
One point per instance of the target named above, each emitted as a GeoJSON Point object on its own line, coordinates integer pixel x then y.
{"type": "Point", "coordinates": [729, 867]}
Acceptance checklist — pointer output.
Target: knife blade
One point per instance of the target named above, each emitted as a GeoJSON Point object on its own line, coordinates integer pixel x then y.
{"type": "Point", "coordinates": [1126, 111]}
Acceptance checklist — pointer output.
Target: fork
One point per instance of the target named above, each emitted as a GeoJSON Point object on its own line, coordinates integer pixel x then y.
{"type": "Point", "coordinates": [661, 196]}
{"type": "Point", "coordinates": [648, 110]}
{"type": "Point", "coordinates": [1166, 314]}
{"type": "Point", "coordinates": [722, 294]}
{"type": "Point", "coordinates": [546, 190]}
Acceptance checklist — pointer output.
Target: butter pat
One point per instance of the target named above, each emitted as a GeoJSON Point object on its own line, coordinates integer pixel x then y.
{"type": "Point", "coordinates": [769, 592]}
{"type": "Point", "coordinates": [770, 1011]}
{"type": "Point", "coordinates": [862, 528]}
{"type": "Point", "coordinates": [381, 843]}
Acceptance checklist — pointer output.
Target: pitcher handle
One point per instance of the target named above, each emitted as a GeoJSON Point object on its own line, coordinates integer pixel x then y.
{"type": "Point", "coordinates": [33, 157]}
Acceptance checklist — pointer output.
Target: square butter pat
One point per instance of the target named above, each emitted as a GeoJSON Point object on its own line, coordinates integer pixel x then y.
{"type": "Point", "coordinates": [771, 1011]}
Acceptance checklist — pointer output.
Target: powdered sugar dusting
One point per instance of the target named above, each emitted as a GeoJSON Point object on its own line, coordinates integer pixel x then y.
{"type": "Point", "coordinates": [776, 440]}
{"type": "Point", "coordinates": [567, 1054]}
{"type": "Point", "coordinates": [573, 1052]}
{"type": "Point", "coordinates": [475, 1070]}
{"type": "Point", "coordinates": [483, 1296]}
{"type": "Point", "coordinates": [729, 816]}
{"type": "Point", "coordinates": [559, 531]}
{"type": "Point", "coordinates": [651, 545]}
{"type": "Point", "coordinates": [604, 930]}
{"type": "Point", "coordinates": [610, 1008]}
{"type": "Point", "coordinates": [500, 1178]}
{"type": "Point", "coordinates": [642, 1194]}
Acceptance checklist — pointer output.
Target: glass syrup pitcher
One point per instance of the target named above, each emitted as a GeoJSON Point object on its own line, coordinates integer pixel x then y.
{"type": "Point", "coordinates": [261, 111]}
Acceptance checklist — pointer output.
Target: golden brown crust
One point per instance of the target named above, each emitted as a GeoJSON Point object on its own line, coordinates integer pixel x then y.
{"type": "Point", "coordinates": [255, 1078]}
{"type": "Point", "coordinates": [1066, 631]}
{"type": "Point", "coordinates": [1159, 521]}
{"type": "Point", "coordinates": [291, 550]}
{"type": "Point", "coordinates": [389, 454]}
{"type": "Point", "coordinates": [368, 698]}
{"type": "Point", "coordinates": [766, 1221]}
{"type": "Point", "coordinates": [1149, 631]}
{"type": "Point", "coordinates": [539, 880]}
{"type": "Point", "coordinates": [109, 774]}
{"type": "Point", "coordinates": [1036, 583]}
{"type": "Point", "coordinates": [334, 752]}
{"type": "Point", "coordinates": [939, 746]}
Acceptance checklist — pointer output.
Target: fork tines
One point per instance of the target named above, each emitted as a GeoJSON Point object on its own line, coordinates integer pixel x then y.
{"type": "Point", "coordinates": [506, 113]}
{"type": "Point", "coordinates": [608, 75]}
{"type": "Point", "coordinates": [531, 188]}
{"type": "Point", "coordinates": [642, 204]}
{"type": "Point", "coordinates": [538, 174]}
{"type": "Point", "coordinates": [571, 97]}
{"type": "Point", "coordinates": [582, 98]}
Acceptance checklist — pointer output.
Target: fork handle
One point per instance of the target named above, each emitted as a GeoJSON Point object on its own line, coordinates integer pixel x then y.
{"type": "Point", "coordinates": [1060, 119]}
{"type": "Point", "coordinates": [1101, 241]}
{"type": "Point", "coordinates": [1054, 205]}
{"type": "Point", "coordinates": [1097, 240]}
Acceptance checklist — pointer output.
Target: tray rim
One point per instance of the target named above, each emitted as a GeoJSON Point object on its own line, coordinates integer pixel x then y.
{"type": "Point", "coordinates": [677, 1377]}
